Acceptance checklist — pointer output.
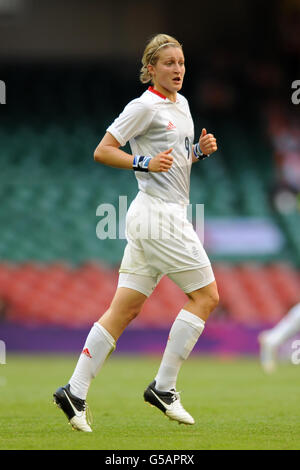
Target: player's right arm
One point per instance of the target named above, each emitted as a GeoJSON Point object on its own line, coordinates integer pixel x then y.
{"type": "Point", "coordinates": [109, 153]}
{"type": "Point", "coordinates": [134, 120]}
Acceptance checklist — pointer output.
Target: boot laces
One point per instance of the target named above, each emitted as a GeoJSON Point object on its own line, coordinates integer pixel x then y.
{"type": "Point", "coordinates": [175, 396]}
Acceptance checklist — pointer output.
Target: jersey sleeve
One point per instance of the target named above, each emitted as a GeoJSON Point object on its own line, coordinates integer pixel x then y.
{"type": "Point", "coordinates": [132, 122]}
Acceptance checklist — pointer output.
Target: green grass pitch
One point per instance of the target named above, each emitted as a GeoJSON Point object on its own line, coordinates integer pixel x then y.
{"type": "Point", "coordinates": [235, 405]}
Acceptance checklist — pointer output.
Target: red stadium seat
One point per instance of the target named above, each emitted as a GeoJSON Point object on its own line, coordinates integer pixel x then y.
{"type": "Point", "coordinates": [58, 294]}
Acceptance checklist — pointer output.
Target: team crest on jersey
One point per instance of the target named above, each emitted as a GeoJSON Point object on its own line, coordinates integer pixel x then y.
{"type": "Point", "coordinates": [170, 126]}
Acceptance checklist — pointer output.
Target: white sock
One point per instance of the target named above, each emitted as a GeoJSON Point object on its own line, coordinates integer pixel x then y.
{"type": "Point", "coordinates": [99, 344]}
{"type": "Point", "coordinates": [286, 328]}
{"type": "Point", "coordinates": [183, 336]}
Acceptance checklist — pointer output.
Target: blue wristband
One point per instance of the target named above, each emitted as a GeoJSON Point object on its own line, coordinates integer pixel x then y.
{"type": "Point", "coordinates": [198, 154]}
{"type": "Point", "coordinates": [141, 163]}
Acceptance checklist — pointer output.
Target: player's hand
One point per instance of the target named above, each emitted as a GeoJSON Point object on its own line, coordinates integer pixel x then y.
{"type": "Point", "coordinates": [207, 142]}
{"type": "Point", "coordinates": [161, 162]}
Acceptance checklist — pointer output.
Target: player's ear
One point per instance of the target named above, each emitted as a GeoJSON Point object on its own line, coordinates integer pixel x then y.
{"type": "Point", "coordinates": [150, 68]}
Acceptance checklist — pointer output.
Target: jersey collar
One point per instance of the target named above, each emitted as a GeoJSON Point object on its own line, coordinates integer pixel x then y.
{"type": "Point", "coordinates": [150, 88]}
{"type": "Point", "coordinates": [157, 92]}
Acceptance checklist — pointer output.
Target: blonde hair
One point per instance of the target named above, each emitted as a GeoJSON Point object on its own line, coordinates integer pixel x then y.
{"type": "Point", "coordinates": [150, 55]}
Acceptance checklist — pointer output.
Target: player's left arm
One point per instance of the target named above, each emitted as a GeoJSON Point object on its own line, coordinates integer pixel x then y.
{"type": "Point", "coordinates": [207, 144]}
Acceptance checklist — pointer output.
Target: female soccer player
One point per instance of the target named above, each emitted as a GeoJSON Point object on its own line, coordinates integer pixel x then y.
{"type": "Point", "coordinates": [159, 128]}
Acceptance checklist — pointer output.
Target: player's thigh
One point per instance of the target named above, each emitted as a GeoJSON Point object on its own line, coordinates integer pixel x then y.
{"type": "Point", "coordinates": [144, 284]}
{"type": "Point", "coordinates": [193, 280]}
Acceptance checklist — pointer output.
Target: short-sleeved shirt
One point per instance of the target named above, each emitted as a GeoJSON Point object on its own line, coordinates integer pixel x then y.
{"type": "Point", "coordinates": [152, 124]}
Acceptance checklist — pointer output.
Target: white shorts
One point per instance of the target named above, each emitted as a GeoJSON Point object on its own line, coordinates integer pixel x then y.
{"type": "Point", "coordinates": [188, 281]}
{"type": "Point", "coordinates": [161, 240]}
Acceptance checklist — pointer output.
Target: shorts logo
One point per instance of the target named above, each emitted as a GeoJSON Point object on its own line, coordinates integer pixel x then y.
{"type": "Point", "coordinates": [195, 252]}
{"type": "Point", "coordinates": [170, 126]}
{"type": "Point", "coordinates": [87, 353]}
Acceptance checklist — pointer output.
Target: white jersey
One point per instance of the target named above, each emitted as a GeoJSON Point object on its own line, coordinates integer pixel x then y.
{"type": "Point", "coordinates": [152, 124]}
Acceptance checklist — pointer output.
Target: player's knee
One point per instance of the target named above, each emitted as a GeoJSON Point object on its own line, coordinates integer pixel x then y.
{"type": "Point", "coordinates": [213, 300]}
{"type": "Point", "coordinates": [208, 301]}
{"type": "Point", "coordinates": [132, 312]}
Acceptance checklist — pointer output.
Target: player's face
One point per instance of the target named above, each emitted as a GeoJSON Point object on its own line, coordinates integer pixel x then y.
{"type": "Point", "coordinates": [169, 70]}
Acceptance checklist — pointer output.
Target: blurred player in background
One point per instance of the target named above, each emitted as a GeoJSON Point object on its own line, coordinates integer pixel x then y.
{"type": "Point", "coordinates": [271, 340]}
{"type": "Point", "coordinates": [160, 130]}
